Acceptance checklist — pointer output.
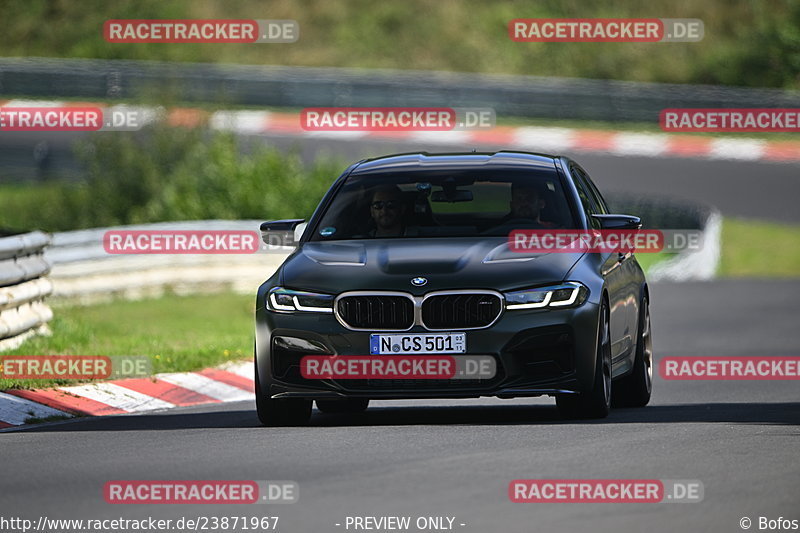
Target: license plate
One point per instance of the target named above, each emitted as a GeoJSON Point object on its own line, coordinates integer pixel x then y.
{"type": "Point", "coordinates": [438, 343]}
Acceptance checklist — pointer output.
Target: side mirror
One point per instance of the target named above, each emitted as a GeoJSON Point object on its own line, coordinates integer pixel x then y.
{"type": "Point", "coordinates": [618, 221]}
{"type": "Point", "coordinates": [282, 232]}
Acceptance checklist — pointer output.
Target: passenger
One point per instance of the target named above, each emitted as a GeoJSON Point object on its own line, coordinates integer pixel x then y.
{"type": "Point", "coordinates": [526, 206]}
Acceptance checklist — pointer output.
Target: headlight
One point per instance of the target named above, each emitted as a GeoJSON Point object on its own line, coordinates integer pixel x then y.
{"type": "Point", "coordinates": [569, 294]}
{"type": "Point", "coordinates": [280, 299]}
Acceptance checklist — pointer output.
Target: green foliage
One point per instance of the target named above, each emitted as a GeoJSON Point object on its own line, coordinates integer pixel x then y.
{"type": "Point", "coordinates": [20, 205]}
{"type": "Point", "coordinates": [747, 42]}
{"type": "Point", "coordinates": [164, 174]}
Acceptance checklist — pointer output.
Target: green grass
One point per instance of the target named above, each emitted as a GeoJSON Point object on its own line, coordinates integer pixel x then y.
{"type": "Point", "coordinates": [752, 248]}
{"type": "Point", "coordinates": [648, 260]}
{"type": "Point", "coordinates": [755, 43]}
{"type": "Point", "coordinates": [177, 333]}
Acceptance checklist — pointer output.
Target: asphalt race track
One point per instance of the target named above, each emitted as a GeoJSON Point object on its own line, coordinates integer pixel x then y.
{"type": "Point", "coordinates": [456, 458]}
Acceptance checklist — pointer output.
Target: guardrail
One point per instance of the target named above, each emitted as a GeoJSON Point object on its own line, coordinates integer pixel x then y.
{"type": "Point", "coordinates": [84, 273]}
{"type": "Point", "coordinates": [23, 288]}
{"type": "Point", "coordinates": [528, 96]}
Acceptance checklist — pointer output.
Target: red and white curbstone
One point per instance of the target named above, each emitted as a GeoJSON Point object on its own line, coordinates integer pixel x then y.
{"type": "Point", "coordinates": [230, 383]}
{"type": "Point", "coordinates": [533, 138]}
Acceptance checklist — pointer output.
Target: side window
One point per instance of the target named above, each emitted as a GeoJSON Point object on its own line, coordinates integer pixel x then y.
{"type": "Point", "coordinates": [587, 200]}
{"type": "Point", "coordinates": [599, 200]}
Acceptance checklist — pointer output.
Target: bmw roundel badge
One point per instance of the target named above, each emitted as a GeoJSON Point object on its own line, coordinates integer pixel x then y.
{"type": "Point", "coordinates": [419, 282]}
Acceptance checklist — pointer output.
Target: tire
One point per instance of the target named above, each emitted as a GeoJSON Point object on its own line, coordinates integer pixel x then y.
{"type": "Point", "coordinates": [283, 412]}
{"type": "Point", "coordinates": [346, 405]}
{"type": "Point", "coordinates": [634, 390]}
{"type": "Point", "coordinates": [596, 402]}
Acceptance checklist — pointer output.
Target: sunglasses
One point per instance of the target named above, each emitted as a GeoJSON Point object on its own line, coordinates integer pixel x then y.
{"type": "Point", "coordinates": [388, 204]}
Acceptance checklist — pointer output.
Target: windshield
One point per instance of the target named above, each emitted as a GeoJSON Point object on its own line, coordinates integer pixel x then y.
{"type": "Point", "coordinates": [445, 204]}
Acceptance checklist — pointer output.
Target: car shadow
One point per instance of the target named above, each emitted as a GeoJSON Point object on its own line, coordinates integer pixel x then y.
{"type": "Point", "coordinates": [787, 413]}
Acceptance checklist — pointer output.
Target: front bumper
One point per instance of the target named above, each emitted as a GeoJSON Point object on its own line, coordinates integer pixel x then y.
{"type": "Point", "coordinates": [537, 351]}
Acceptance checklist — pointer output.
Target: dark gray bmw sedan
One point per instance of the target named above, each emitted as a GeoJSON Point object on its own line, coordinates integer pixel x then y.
{"type": "Point", "coordinates": [407, 261]}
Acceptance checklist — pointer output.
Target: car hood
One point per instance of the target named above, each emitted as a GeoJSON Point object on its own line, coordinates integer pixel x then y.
{"type": "Point", "coordinates": [390, 264]}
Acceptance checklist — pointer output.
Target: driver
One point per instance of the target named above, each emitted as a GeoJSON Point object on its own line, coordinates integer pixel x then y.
{"type": "Point", "coordinates": [388, 211]}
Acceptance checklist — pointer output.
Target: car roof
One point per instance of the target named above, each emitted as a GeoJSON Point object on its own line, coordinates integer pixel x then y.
{"type": "Point", "coordinates": [455, 161]}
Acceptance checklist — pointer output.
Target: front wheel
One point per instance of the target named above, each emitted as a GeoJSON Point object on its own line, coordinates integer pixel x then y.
{"type": "Point", "coordinates": [280, 412]}
{"type": "Point", "coordinates": [596, 402]}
